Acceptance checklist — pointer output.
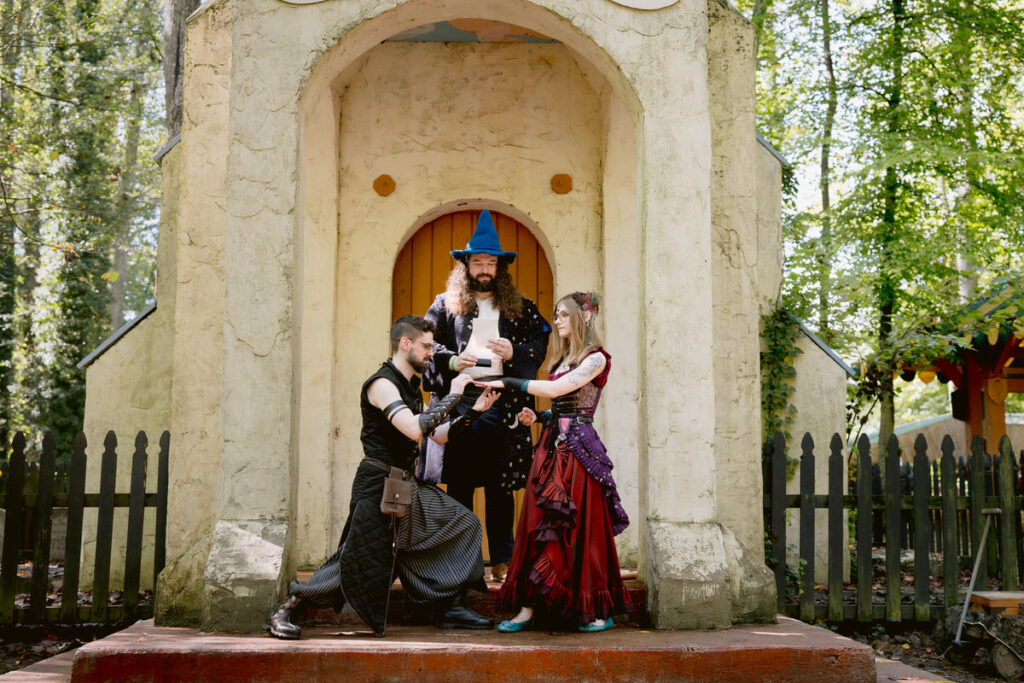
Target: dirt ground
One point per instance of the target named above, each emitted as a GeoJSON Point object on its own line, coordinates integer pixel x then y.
{"type": "Point", "coordinates": [15, 655]}
{"type": "Point", "coordinates": [914, 648]}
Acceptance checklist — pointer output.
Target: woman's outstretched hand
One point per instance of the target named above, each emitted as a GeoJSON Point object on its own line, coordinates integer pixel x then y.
{"type": "Point", "coordinates": [527, 417]}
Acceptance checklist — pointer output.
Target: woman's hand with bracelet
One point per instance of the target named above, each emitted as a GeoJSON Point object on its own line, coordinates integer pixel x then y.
{"type": "Point", "coordinates": [526, 417]}
{"type": "Point", "coordinates": [509, 383]}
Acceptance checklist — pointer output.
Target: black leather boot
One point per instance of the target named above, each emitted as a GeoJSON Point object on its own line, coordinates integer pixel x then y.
{"type": "Point", "coordinates": [280, 624]}
{"type": "Point", "coordinates": [455, 614]}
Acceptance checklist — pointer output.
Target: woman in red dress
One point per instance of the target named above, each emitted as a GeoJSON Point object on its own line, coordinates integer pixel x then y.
{"type": "Point", "coordinates": [564, 560]}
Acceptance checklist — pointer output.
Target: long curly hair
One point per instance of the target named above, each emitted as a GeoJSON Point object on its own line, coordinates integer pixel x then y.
{"type": "Point", "coordinates": [460, 300]}
{"type": "Point", "coordinates": [583, 339]}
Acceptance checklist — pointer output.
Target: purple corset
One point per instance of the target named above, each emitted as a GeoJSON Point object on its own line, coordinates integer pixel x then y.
{"type": "Point", "coordinates": [572, 429]}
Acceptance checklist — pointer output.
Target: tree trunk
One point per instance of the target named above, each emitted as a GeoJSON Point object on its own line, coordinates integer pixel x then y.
{"type": "Point", "coordinates": [175, 14]}
{"type": "Point", "coordinates": [824, 255]}
{"type": "Point", "coordinates": [968, 194]}
{"type": "Point", "coordinates": [757, 19]}
{"type": "Point", "coordinates": [889, 234]}
{"type": "Point", "coordinates": [126, 187]}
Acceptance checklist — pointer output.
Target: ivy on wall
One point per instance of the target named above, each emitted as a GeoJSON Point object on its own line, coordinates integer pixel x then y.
{"type": "Point", "coordinates": [779, 331]}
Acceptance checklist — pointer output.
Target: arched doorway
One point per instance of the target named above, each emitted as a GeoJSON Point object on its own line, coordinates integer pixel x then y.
{"type": "Point", "coordinates": [423, 264]}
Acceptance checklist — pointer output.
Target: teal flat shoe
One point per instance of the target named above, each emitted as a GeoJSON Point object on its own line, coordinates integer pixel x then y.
{"type": "Point", "coordinates": [593, 627]}
{"type": "Point", "coordinates": [513, 626]}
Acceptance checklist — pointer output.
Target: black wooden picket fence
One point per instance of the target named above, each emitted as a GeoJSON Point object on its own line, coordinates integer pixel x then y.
{"type": "Point", "coordinates": [33, 489]}
{"type": "Point", "coordinates": [935, 511]}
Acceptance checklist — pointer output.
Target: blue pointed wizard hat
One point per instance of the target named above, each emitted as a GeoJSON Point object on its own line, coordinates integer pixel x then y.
{"type": "Point", "coordinates": [484, 241]}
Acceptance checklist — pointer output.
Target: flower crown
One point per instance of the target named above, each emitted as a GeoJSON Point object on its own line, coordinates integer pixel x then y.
{"type": "Point", "coordinates": [587, 301]}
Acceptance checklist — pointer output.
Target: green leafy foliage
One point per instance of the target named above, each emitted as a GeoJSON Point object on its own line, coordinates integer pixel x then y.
{"type": "Point", "coordinates": [779, 332]}
{"type": "Point", "coordinates": [79, 119]}
{"type": "Point", "coordinates": [926, 167]}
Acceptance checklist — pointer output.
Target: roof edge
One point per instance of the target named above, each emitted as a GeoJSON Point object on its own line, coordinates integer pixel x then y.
{"type": "Point", "coordinates": [113, 339]}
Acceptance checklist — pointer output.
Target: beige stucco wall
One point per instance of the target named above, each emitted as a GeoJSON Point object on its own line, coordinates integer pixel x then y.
{"type": "Point", "coordinates": [128, 389]}
{"type": "Point", "coordinates": [819, 403]}
{"type": "Point", "coordinates": [199, 316]}
{"type": "Point", "coordinates": [769, 229]}
{"type": "Point", "coordinates": [285, 254]}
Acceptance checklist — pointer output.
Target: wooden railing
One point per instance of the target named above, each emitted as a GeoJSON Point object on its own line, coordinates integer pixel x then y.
{"type": "Point", "coordinates": [64, 487]}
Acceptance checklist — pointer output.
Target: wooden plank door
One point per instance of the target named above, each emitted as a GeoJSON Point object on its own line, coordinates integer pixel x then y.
{"type": "Point", "coordinates": [423, 264]}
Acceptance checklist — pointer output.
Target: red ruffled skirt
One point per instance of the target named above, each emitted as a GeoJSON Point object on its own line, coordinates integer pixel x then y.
{"type": "Point", "coordinates": [564, 559]}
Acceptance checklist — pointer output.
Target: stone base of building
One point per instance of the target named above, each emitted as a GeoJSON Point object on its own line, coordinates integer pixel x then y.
{"type": "Point", "coordinates": [701, 577]}
{"type": "Point", "coordinates": [244, 575]}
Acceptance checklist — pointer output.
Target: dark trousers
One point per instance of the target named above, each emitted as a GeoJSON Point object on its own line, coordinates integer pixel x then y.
{"type": "Point", "coordinates": [473, 460]}
{"type": "Point", "coordinates": [499, 510]}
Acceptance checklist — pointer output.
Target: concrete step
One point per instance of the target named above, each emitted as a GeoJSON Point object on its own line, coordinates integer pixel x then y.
{"type": "Point", "coordinates": [401, 611]}
{"type": "Point", "coordinates": [787, 651]}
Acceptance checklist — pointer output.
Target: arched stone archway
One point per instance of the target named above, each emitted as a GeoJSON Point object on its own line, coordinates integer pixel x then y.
{"type": "Point", "coordinates": [556, 115]}
{"type": "Point", "coordinates": [285, 255]}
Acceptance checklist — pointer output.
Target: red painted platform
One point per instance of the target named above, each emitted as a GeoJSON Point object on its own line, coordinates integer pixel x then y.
{"type": "Point", "coordinates": [401, 611]}
{"type": "Point", "coordinates": [787, 651]}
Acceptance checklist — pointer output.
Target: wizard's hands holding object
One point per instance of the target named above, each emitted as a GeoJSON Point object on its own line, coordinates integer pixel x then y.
{"type": "Point", "coordinates": [500, 346]}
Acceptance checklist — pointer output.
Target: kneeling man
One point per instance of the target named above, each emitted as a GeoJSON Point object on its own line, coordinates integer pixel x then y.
{"type": "Point", "coordinates": [435, 548]}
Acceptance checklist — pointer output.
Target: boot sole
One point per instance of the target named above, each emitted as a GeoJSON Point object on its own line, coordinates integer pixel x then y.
{"type": "Point", "coordinates": [283, 636]}
{"type": "Point", "coordinates": [451, 624]}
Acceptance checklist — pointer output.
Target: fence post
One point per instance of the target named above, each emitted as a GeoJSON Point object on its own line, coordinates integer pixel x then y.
{"type": "Point", "coordinates": [976, 491]}
{"type": "Point", "coordinates": [807, 529]}
{"type": "Point", "coordinates": [73, 547]}
{"type": "Point", "coordinates": [42, 523]}
{"type": "Point", "coordinates": [136, 512]}
{"type": "Point", "coordinates": [864, 566]}
{"type": "Point", "coordinates": [1009, 525]}
{"type": "Point", "coordinates": [162, 478]}
{"type": "Point", "coordinates": [893, 521]}
{"type": "Point", "coordinates": [936, 515]}
{"type": "Point", "coordinates": [104, 529]}
{"type": "Point", "coordinates": [922, 534]}
{"type": "Point", "coordinates": [836, 538]}
{"type": "Point", "coordinates": [779, 518]}
{"type": "Point", "coordinates": [14, 529]}
{"type": "Point", "coordinates": [950, 547]}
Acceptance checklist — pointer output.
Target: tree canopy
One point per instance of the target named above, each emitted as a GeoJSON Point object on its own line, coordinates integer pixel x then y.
{"type": "Point", "coordinates": [905, 121]}
{"type": "Point", "coordinates": [80, 118]}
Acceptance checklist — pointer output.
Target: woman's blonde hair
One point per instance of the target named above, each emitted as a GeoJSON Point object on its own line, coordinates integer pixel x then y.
{"type": "Point", "coordinates": [583, 339]}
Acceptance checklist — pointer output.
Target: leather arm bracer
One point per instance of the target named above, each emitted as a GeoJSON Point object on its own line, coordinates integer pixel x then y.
{"type": "Point", "coordinates": [462, 423]}
{"type": "Point", "coordinates": [429, 419]}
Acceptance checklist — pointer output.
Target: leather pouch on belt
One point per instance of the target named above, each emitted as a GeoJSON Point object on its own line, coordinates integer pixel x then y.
{"type": "Point", "coordinates": [397, 495]}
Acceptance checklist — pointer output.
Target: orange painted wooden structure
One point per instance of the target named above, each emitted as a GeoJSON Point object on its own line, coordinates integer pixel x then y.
{"type": "Point", "coordinates": [986, 371]}
{"type": "Point", "coordinates": [423, 264]}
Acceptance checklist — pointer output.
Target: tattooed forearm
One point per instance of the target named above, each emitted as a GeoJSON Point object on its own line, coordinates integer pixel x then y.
{"type": "Point", "coordinates": [586, 371]}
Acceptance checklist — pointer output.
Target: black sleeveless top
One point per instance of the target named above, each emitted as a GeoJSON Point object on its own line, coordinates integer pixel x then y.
{"type": "Point", "coordinates": [381, 439]}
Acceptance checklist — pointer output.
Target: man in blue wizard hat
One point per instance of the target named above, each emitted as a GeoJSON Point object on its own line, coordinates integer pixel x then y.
{"type": "Point", "coordinates": [486, 328]}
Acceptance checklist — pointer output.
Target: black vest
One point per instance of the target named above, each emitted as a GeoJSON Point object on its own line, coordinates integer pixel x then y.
{"type": "Point", "coordinates": [381, 439]}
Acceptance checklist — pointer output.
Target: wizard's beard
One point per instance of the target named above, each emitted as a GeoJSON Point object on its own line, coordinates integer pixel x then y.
{"type": "Point", "coordinates": [476, 285]}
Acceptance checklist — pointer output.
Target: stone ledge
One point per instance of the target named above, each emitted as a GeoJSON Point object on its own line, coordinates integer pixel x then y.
{"type": "Point", "coordinates": [789, 651]}
{"type": "Point", "coordinates": [401, 611]}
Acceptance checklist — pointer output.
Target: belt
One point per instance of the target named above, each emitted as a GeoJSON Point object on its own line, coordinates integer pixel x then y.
{"type": "Point", "coordinates": [578, 419]}
{"type": "Point", "coordinates": [381, 465]}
